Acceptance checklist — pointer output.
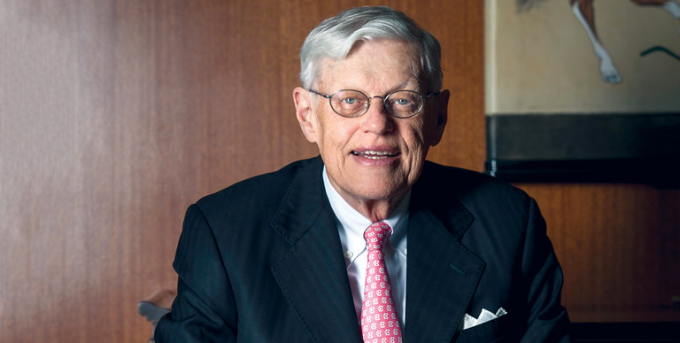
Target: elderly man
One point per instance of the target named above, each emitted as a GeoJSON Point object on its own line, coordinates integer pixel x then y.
{"type": "Point", "coordinates": [368, 242]}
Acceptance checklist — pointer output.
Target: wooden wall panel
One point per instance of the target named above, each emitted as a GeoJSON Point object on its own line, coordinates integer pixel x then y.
{"type": "Point", "coordinates": [115, 115]}
{"type": "Point", "coordinates": [619, 246]}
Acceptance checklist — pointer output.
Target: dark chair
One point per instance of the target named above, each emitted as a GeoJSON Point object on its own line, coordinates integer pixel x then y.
{"type": "Point", "coordinates": [155, 306]}
{"type": "Point", "coordinates": [626, 332]}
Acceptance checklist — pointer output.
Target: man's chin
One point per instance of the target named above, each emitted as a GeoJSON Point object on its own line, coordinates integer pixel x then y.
{"type": "Point", "coordinates": [380, 193]}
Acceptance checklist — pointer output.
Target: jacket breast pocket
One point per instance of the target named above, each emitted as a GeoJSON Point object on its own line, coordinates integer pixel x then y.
{"type": "Point", "coordinates": [505, 328]}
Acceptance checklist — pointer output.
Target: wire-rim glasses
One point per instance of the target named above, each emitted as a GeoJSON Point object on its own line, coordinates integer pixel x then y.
{"type": "Point", "coordinates": [352, 103]}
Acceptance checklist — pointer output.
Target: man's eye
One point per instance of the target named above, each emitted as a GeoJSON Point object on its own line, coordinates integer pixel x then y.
{"type": "Point", "coordinates": [349, 101]}
{"type": "Point", "coordinates": [401, 102]}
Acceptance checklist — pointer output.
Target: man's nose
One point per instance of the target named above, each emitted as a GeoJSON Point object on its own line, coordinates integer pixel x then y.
{"type": "Point", "coordinates": [377, 119]}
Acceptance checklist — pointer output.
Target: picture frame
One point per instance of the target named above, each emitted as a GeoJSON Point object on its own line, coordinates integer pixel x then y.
{"type": "Point", "coordinates": [583, 90]}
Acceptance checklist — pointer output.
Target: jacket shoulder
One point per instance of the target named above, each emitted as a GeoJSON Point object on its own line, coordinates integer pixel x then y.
{"type": "Point", "coordinates": [464, 183]}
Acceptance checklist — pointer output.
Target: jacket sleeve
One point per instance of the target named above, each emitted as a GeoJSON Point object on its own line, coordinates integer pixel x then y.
{"type": "Point", "coordinates": [547, 320]}
{"type": "Point", "coordinates": [204, 309]}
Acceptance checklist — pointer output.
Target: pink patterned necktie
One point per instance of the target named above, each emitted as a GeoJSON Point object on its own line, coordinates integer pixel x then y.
{"type": "Point", "coordinates": [379, 322]}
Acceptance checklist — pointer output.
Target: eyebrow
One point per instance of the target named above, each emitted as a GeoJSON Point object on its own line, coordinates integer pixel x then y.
{"type": "Point", "coordinates": [399, 87]}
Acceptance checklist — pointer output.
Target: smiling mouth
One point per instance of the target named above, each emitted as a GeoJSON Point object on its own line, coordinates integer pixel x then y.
{"type": "Point", "coordinates": [375, 155]}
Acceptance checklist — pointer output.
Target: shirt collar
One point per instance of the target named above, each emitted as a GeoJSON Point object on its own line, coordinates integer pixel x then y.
{"type": "Point", "coordinates": [353, 224]}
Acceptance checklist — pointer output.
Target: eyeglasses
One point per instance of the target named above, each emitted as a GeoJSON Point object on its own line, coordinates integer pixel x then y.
{"type": "Point", "coordinates": [351, 103]}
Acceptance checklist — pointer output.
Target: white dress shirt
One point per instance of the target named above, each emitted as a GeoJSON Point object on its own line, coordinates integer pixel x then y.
{"type": "Point", "coordinates": [351, 226]}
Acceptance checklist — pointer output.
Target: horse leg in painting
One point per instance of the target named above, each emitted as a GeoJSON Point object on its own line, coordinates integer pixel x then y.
{"type": "Point", "coordinates": [585, 13]}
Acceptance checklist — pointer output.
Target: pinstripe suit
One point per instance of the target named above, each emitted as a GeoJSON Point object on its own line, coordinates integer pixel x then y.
{"type": "Point", "coordinates": [261, 261]}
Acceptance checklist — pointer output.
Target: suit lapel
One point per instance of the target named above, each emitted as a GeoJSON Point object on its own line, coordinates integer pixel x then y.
{"type": "Point", "coordinates": [442, 274]}
{"type": "Point", "coordinates": [312, 274]}
{"type": "Point", "coordinates": [441, 279]}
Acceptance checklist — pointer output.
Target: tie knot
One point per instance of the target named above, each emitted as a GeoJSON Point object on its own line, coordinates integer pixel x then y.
{"type": "Point", "coordinates": [376, 235]}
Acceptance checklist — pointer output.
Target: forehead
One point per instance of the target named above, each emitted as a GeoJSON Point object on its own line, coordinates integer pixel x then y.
{"type": "Point", "coordinates": [380, 65]}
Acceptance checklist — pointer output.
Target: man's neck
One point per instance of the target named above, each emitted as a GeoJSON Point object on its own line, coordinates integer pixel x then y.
{"type": "Point", "coordinates": [374, 210]}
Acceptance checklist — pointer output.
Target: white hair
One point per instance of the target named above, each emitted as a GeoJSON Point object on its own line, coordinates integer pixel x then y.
{"type": "Point", "coordinates": [335, 37]}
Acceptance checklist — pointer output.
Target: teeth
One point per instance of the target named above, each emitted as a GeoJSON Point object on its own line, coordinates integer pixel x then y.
{"type": "Point", "coordinates": [378, 153]}
{"type": "Point", "coordinates": [374, 154]}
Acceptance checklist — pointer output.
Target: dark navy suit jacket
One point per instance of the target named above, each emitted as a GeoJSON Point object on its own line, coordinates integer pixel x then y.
{"type": "Point", "coordinates": [261, 261]}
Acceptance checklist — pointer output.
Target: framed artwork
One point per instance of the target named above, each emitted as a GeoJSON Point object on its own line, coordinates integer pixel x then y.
{"type": "Point", "coordinates": [583, 90]}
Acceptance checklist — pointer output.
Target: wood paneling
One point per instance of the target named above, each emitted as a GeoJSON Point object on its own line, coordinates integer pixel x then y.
{"type": "Point", "coordinates": [115, 115]}
{"type": "Point", "coordinates": [619, 246]}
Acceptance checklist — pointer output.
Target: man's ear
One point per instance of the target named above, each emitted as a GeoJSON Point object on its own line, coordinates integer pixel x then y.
{"type": "Point", "coordinates": [305, 113]}
{"type": "Point", "coordinates": [442, 115]}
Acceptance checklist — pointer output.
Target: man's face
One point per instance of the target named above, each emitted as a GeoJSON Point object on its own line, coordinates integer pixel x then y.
{"type": "Point", "coordinates": [374, 156]}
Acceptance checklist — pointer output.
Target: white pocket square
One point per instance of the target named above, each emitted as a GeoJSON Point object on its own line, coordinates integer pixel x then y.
{"type": "Point", "coordinates": [485, 316]}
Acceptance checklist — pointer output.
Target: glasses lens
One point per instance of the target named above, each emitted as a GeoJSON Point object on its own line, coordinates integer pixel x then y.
{"type": "Point", "coordinates": [404, 104]}
{"type": "Point", "coordinates": [349, 103]}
